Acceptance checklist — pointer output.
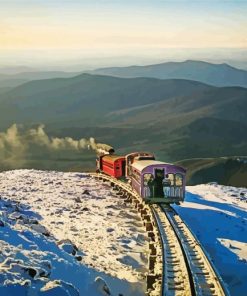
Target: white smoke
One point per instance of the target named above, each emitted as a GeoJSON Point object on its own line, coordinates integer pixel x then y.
{"type": "Point", "coordinates": [103, 148]}
{"type": "Point", "coordinates": [39, 137]}
{"type": "Point", "coordinates": [17, 144]}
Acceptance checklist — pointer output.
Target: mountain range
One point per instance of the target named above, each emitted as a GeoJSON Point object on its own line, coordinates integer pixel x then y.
{"type": "Point", "coordinates": [209, 73]}
{"type": "Point", "coordinates": [15, 79]}
{"type": "Point", "coordinates": [175, 118]}
{"type": "Point", "coordinates": [213, 74]}
{"type": "Point", "coordinates": [88, 98]}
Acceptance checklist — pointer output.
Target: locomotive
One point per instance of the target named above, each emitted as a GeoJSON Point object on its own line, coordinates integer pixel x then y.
{"type": "Point", "coordinates": [154, 181]}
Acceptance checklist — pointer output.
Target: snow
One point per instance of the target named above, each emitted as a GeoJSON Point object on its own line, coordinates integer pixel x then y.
{"type": "Point", "coordinates": [217, 215]}
{"type": "Point", "coordinates": [68, 234]}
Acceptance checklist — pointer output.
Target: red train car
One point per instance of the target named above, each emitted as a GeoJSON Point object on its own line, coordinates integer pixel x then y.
{"type": "Point", "coordinates": [113, 165]}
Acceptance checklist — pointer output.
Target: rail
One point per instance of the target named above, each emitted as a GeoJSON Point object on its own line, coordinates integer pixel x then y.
{"type": "Point", "coordinates": [203, 275]}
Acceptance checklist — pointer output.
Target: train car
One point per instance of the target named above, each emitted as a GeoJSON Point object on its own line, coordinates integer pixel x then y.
{"type": "Point", "coordinates": [129, 159]}
{"type": "Point", "coordinates": [158, 182]}
{"type": "Point", "coordinates": [112, 165]}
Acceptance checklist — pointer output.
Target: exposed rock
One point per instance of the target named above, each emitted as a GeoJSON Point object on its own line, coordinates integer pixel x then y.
{"type": "Point", "coordinates": [40, 229]}
{"type": "Point", "coordinates": [85, 209]}
{"type": "Point", "coordinates": [78, 258]}
{"type": "Point", "coordinates": [43, 273]}
{"type": "Point", "coordinates": [77, 199]}
{"type": "Point", "coordinates": [60, 288]}
{"type": "Point", "coordinates": [68, 246]}
{"type": "Point", "coordinates": [33, 221]}
{"type": "Point", "coordinates": [65, 241]}
{"type": "Point", "coordinates": [31, 271]}
{"type": "Point", "coordinates": [102, 286]}
{"type": "Point", "coordinates": [16, 216]}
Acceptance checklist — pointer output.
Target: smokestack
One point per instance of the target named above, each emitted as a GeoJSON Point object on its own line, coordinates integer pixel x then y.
{"type": "Point", "coordinates": [102, 149]}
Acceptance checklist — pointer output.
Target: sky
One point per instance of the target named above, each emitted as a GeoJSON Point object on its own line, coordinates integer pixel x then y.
{"type": "Point", "coordinates": [62, 29]}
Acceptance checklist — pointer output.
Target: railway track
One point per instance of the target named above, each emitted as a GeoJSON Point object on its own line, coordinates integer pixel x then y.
{"type": "Point", "coordinates": [176, 279]}
{"type": "Point", "coordinates": [186, 269]}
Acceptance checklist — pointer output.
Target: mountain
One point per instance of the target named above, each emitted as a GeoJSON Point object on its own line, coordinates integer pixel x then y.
{"type": "Point", "coordinates": [15, 79]}
{"type": "Point", "coordinates": [231, 171]}
{"type": "Point", "coordinates": [15, 69]}
{"type": "Point", "coordinates": [226, 103]}
{"type": "Point", "coordinates": [87, 98]}
{"type": "Point", "coordinates": [213, 74]}
{"type": "Point", "coordinates": [4, 90]}
{"type": "Point", "coordinates": [174, 118]}
{"type": "Point", "coordinates": [219, 136]}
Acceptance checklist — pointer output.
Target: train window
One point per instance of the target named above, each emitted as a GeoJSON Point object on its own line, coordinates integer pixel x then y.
{"type": "Point", "coordinates": [171, 179]}
{"type": "Point", "coordinates": [147, 178]}
{"type": "Point", "coordinates": [148, 185]}
{"type": "Point", "coordinates": [179, 180]}
{"type": "Point", "coordinates": [168, 183]}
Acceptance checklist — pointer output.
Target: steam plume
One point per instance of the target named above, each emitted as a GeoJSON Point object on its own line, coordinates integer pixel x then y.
{"type": "Point", "coordinates": [18, 144]}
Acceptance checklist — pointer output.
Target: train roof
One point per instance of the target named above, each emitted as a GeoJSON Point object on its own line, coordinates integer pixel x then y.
{"type": "Point", "coordinates": [112, 158]}
{"type": "Point", "coordinates": [139, 153]}
{"type": "Point", "coordinates": [140, 165]}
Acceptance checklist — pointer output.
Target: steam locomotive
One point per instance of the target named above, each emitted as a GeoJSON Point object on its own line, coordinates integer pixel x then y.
{"type": "Point", "coordinates": [154, 181]}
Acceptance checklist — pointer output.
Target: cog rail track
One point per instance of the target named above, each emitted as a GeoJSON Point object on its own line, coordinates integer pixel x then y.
{"type": "Point", "coordinates": [176, 279]}
{"type": "Point", "coordinates": [186, 270]}
{"type": "Point", "coordinates": [204, 280]}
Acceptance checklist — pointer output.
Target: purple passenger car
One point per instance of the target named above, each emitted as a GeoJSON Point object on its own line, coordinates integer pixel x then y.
{"type": "Point", "coordinates": [158, 182]}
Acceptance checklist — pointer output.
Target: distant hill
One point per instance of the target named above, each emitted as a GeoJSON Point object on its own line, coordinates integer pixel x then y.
{"type": "Point", "coordinates": [4, 90]}
{"type": "Point", "coordinates": [213, 74]}
{"type": "Point", "coordinates": [174, 118]}
{"type": "Point", "coordinates": [87, 98]}
{"type": "Point", "coordinates": [15, 69]}
{"type": "Point", "coordinates": [227, 103]}
{"type": "Point", "coordinates": [224, 170]}
{"type": "Point", "coordinates": [219, 136]}
{"type": "Point", "coordinates": [15, 79]}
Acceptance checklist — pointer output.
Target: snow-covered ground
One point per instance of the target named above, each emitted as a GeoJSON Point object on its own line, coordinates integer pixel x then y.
{"type": "Point", "coordinates": [68, 234]}
{"type": "Point", "coordinates": [217, 215]}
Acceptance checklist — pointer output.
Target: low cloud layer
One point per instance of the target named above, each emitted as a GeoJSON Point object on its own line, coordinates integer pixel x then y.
{"type": "Point", "coordinates": [18, 144]}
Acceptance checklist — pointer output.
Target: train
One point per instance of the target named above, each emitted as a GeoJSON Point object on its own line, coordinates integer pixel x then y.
{"type": "Point", "coordinates": [154, 181]}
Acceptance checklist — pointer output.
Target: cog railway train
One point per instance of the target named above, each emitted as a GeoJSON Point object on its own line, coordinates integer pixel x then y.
{"type": "Point", "coordinates": [154, 181]}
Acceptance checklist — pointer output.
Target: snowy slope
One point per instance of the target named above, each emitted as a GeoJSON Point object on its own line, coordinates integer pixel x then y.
{"type": "Point", "coordinates": [218, 217]}
{"type": "Point", "coordinates": [67, 234]}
